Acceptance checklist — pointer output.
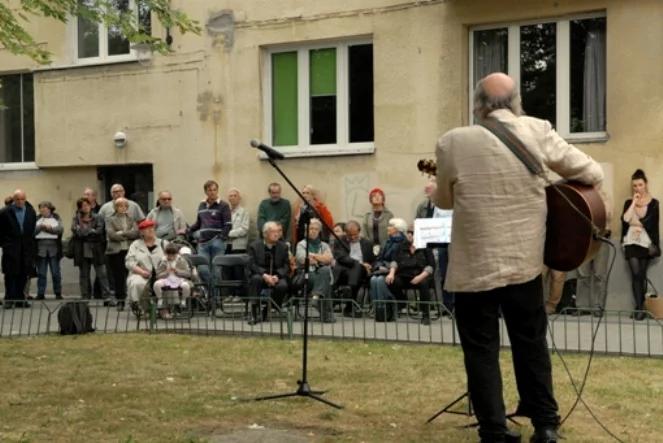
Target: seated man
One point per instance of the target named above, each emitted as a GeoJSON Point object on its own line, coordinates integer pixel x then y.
{"type": "Point", "coordinates": [353, 266]}
{"type": "Point", "coordinates": [269, 268]}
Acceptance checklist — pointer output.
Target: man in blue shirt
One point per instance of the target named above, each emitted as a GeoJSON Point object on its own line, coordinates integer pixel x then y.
{"type": "Point", "coordinates": [17, 230]}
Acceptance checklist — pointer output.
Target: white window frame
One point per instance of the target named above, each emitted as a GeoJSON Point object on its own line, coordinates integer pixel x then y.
{"type": "Point", "coordinates": [103, 57]}
{"type": "Point", "coordinates": [563, 74]}
{"type": "Point", "coordinates": [304, 148]}
{"type": "Point", "coordinates": [22, 165]}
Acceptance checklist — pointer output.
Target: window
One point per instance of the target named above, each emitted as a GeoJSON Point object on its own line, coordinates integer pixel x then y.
{"type": "Point", "coordinates": [319, 99]}
{"type": "Point", "coordinates": [17, 123]}
{"type": "Point", "coordinates": [98, 42]}
{"type": "Point", "coordinates": [560, 66]}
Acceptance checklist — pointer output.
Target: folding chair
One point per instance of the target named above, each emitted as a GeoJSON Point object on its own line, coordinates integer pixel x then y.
{"type": "Point", "coordinates": [221, 264]}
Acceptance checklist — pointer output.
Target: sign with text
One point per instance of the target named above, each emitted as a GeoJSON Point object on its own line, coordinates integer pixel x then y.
{"type": "Point", "coordinates": [433, 230]}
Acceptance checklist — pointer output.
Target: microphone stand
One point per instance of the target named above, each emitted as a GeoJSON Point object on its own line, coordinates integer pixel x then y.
{"type": "Point", "coordinates": [303, 389]}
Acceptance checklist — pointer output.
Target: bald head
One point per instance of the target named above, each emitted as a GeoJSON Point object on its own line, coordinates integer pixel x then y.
{"type": "Point", "coordinates": [496, 91]}
{"type": "Point", "coordinates": [498, 85]}
{"type": "Point", "coordinates": [19, 198]}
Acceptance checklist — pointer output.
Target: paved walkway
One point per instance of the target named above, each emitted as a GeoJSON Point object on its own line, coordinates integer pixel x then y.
{"type": "Point", "coordinates": [616, 334]}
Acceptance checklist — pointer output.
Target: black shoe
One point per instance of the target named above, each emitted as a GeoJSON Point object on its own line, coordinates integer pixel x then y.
{"type": "Point", "coordinates": [120, 305]}
{"type": "Point", "coordinates": [425, 321]}
{"type": "Point", "coordinates": [544, 435]}
{"type": "Point", "coordinates": [8, 305]}
{"type": "Point", "coordinates": [58, 296]}
{"type": "Point", "coordinates": [512, 436]}
{"type": "Point", "coordinates": [640, 315]}
{"type": "Point", "coordinates": [40, 297]}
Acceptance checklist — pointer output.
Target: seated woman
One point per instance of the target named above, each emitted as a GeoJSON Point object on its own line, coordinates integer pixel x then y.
{"type": "Point", "coordinates": [640, 237]}
{"type": "Point", "coordinates": [142, 260]}
{"type": "Point", "coordinates": [408, 267]}
{"type": "Point", "coordinates": [319, 272]}
{"type": "Point", "coordinates": [172, 272]}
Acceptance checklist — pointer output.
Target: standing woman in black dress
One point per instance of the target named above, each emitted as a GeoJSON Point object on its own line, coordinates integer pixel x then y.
{"type": "Point", "coordinates": [640, 237]}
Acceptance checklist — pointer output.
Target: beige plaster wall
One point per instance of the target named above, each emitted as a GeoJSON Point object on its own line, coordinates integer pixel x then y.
{"type": "Point", "coordinates": [192, 114]}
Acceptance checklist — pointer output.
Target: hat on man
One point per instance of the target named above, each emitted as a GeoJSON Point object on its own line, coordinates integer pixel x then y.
{"type": "Point", "coordinates": [147, 223]}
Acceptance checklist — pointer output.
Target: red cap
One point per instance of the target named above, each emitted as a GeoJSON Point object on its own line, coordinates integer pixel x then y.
{"type": "Point", "coordinates": [147, 223]}
{"type": "Point", "coordinates": [376, 191]}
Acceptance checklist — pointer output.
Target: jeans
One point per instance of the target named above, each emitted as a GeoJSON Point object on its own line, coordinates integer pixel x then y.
{"type": "Point", "coordinates": [43, 263]}
{"type": "Point", "coordinates": [210, 250]}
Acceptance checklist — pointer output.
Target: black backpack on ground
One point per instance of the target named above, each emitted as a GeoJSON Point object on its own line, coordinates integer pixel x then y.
{"type": "Point", "coordinates": [75, 318]}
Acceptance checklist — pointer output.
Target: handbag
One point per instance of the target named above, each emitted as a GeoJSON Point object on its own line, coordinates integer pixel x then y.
{"type": "Point", "coordinates": [68, 247]}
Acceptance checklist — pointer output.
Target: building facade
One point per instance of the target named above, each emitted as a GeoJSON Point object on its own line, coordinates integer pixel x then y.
{"type": "Point", "coordinates": [354, 93]}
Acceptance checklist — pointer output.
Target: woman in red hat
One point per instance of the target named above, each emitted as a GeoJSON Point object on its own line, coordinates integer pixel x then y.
{"type": "Point", "coordinates": [377, 219]}
{"type": "Point", "coordinates": [142, 259]}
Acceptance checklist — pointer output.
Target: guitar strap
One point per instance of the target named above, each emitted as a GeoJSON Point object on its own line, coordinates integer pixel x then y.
{"type": "Point", "coordinates": [513, 143]}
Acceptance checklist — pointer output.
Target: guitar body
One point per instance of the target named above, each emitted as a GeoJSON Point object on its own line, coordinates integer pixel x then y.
{"type": "Point", "coordinates": [569, 238]}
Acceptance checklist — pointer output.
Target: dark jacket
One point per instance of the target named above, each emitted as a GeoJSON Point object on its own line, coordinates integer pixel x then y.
{"type": "Point", "coordinates": [19, 248]}
{"type": "Point", "coordinates": [92, 234]}
{"type": "Point", "coordinates": [260, 264]}
{"type": "Point", "coordinates": [342, 255]}
{"type": "Point", "coordinates": [212, 221]}
{"type": "Point", "coordinates": [649, 222]}
{"type": "Point", "coordinates": [409, 264]}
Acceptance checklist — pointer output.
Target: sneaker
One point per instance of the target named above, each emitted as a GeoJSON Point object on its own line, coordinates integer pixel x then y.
{"type": "Point", "coordinates": [160, 303]}
{"type": "Point", "coordinates": [183, 303]}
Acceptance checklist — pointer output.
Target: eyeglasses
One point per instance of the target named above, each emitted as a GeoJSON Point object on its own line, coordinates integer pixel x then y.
{"type": "Point", "coordinates": [165, 199]}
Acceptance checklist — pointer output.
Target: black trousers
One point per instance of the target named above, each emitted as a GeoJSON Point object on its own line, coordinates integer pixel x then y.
{"type": "Point", "coordinates": [14, 286]}
{"type": "Point", "coordinates": [526, 322]}
{"type": "Point", "coordinates": [402, 282]}
{"type": "Point", "coordinates": [279, 291]}
{"type": "Point", "coordinates": [353, 276]}
{"type": "Point", "coordinates": [118, 273]}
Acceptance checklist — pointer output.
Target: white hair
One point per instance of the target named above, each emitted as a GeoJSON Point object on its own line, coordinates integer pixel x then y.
{"type": "Point", "coordinates": [315, 221]}
{"type": "Point", "coordinates": [269, 225]}
{"type": "Point", "coordinates": [399, 224]}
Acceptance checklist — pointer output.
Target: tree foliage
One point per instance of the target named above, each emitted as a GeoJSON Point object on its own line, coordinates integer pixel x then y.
{"type": "Point", "coordinates": [15, 37]}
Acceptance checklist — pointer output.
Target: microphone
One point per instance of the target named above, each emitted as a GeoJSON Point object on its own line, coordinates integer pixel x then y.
{"type": "Point", "coordinates": [271, 152]}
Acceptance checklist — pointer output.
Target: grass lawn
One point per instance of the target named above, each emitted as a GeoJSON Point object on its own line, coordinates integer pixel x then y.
{"type": "Point", "coordinates": [164, 388]}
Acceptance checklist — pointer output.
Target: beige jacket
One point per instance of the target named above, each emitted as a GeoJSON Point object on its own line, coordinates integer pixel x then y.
{"type": "Point", "coordinates": [499, 219]}
{"type": "Point", "coordinates": [140, 255]}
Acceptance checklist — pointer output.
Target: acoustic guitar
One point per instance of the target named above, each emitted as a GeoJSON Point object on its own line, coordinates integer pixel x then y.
{"type": "Point", "coordinates": [570, 238]}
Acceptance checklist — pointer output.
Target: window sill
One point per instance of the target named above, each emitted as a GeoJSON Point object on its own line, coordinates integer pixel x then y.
{"type": "Point", "coordinates": [588, 137]}
{"type": "Point", "coordinates": [83, 63]}
{"type": "Point", "coordinates": [26, 166]}
{"type": "Point", "coordinates": [323, 150]}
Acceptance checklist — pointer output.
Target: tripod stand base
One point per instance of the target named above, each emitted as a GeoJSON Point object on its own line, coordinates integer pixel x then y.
{"type": "Point", "coordinates": [304, 390]}
{"type": "Point", "coordinates": [447, 408]}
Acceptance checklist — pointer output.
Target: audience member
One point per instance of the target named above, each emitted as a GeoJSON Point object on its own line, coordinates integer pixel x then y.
{"type": "Point", "coordinates": [274, 208]}
{"type": "Point", "coordinates": [91, 196]}
{"type": "Point", "coordinates": [121, 230]}
{"type": "Point", "coordinates": [170, 222]}
{"type": "Point", "coordinates": [426, 208]}
{"type": "Point", "coordinates": [172, 272]}
{"type": "Point", "coordinates": [141, 261]}
{"type": "Point", "coordinates": [640, 237]}
{"type": "Point", "coordinates": [48, 233]}
{"type": "Point", "coordinates": [269, 267]}
{"type": "Point", "coordinates": [89, 248]}
{"type": "Point", "coordinates": [303, 213]}
{"type": "Point", "coordinates": [319, 270]}
{"type": "Point", "coordinates": [108, 208]}
{"type": "Point", "coordinates": [376, 220]}
{"type": "Point", "coordinates": [213, 222]}
{"type": "Point", "coordinates": [17, 228]}
{"type": "Point", "coordinates": [239, 232]}
{"type": "Point", "coordinates": [352, 266]}
{"type": "Point", "coordinates": [406, 267]}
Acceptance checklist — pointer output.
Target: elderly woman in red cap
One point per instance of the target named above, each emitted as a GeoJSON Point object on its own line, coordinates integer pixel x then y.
{"type": "Point", "coordinates": [142, 259]}
{"type": "Point", "coordinates": [377, 219]}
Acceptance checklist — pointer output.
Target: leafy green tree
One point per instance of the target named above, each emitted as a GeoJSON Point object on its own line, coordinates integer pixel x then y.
{"type": "Point", "coordinates": [18, 13]}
